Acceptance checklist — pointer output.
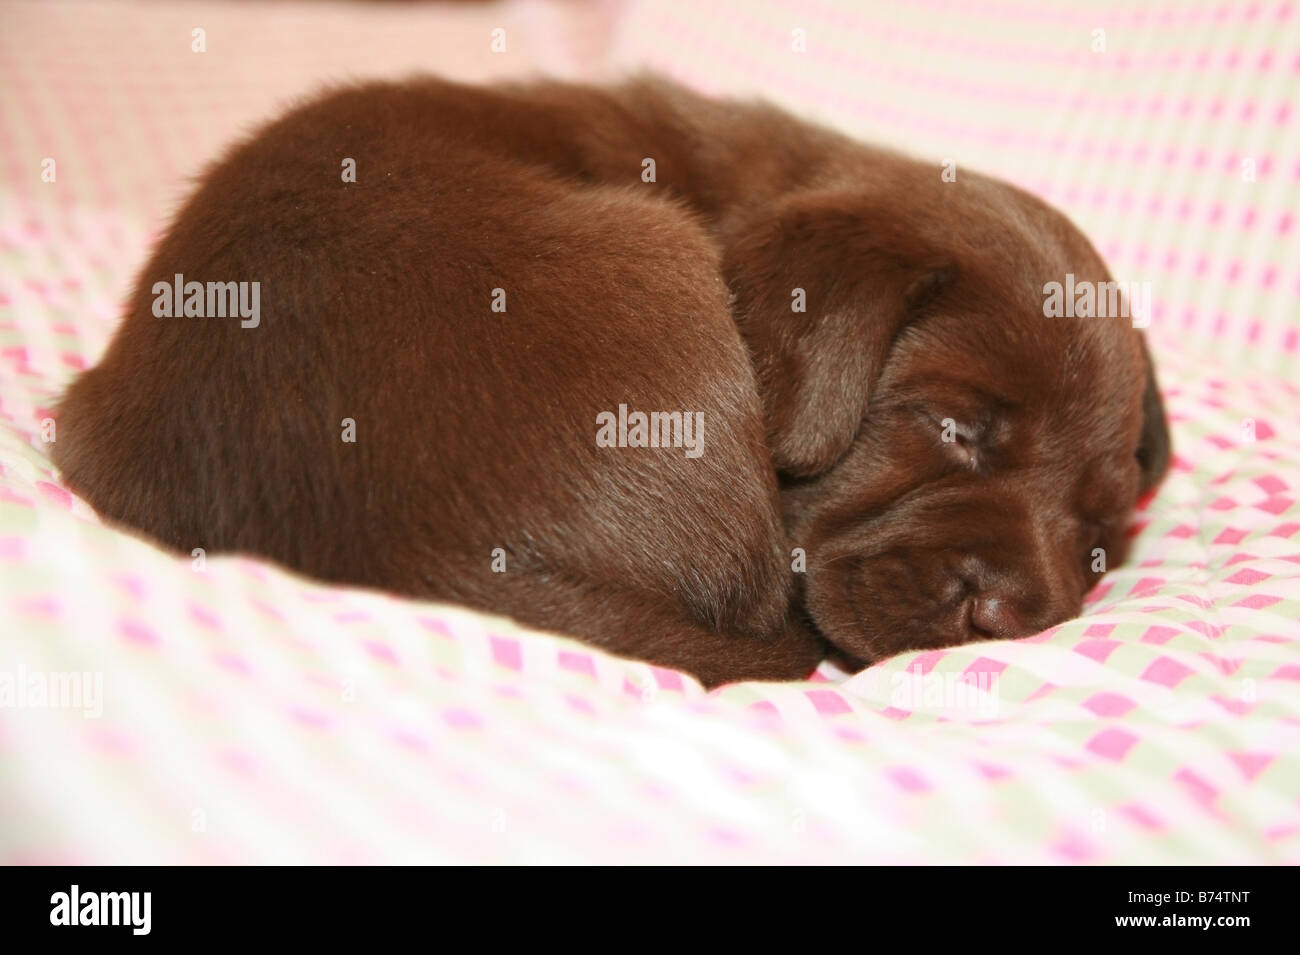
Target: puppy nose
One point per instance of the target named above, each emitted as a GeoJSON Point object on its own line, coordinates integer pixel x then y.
{"type": "Point", "coordinates": [996, 617]}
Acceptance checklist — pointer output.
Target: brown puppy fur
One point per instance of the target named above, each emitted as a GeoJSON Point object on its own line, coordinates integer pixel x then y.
{"type": "Point", "coordinates": [475, 430]}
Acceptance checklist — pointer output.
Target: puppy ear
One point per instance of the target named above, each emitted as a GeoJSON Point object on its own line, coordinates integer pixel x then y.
{"type": "Point", "coordinates": [820, 293]}
{"type": "Point", "coordinates": [1153, 449]}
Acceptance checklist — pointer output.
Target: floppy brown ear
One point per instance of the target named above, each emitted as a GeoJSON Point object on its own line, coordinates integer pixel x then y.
{"type": "Point", "coordinates": [859, 283]}
{"type": "Point", "coordinates": [1154, 448]}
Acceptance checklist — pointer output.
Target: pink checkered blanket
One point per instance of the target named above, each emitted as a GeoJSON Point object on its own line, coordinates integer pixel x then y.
{"type": "Point", "coordinates": [154, 711]}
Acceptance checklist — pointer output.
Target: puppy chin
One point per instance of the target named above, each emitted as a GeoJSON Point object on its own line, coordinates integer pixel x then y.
{"type": "Point", "coordinates": [863, 613]}
{"type": "Point", "coordinates": [870, 608]}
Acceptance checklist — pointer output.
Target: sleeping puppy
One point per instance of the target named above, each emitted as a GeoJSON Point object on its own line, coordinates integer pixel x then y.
{"type": "Point", "coordinates": [692, 380]}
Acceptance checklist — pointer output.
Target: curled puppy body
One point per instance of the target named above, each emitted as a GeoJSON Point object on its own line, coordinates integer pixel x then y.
{"type": "Point", "coordinates": [512, 268]}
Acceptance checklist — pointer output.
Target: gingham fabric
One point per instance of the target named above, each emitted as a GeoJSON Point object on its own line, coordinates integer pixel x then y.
{"type": "Point", "coordinates": [249, 715]}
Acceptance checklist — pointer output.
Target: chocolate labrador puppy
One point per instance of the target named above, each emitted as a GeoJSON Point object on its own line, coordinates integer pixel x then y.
{"type": "Point", "coordinates": [693, 380]}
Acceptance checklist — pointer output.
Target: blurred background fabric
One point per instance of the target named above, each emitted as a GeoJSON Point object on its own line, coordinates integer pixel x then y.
{"type": "Point", "coordinates": [249, 715]}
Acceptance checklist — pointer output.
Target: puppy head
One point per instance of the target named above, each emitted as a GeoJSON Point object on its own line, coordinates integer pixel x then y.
{"type": "Point", "coordinates": [956, 465]}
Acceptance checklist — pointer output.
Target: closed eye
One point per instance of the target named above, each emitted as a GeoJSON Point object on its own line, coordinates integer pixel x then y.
{"type": "Point", "coordinates": [960, 442]}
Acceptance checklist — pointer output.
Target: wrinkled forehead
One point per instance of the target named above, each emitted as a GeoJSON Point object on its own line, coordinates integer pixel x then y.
{"type": "Point", "coordinates": [990, 344]}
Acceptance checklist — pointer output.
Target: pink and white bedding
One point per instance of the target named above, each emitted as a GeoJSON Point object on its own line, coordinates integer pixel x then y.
{"type": "Point", "coordinates": [226, 711]}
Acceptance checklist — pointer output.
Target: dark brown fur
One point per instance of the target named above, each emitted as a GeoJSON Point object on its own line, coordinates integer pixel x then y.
{"type": "Point", "coordinates": [475, 430]}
